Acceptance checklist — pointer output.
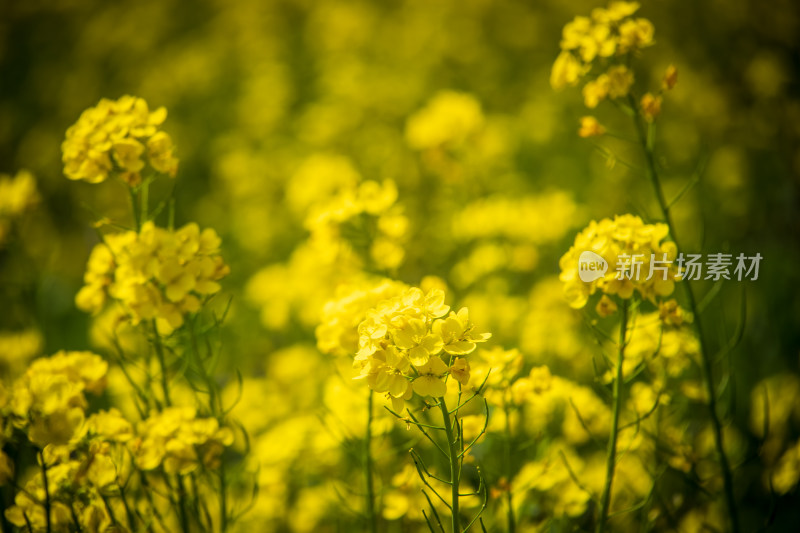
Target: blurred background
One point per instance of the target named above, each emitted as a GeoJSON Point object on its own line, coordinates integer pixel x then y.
{"type": "Point", "coordinates": [277, 105]}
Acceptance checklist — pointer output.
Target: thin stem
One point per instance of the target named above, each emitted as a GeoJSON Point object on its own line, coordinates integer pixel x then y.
{"type": "Point", "coordinates": [455, 465]}
{"type": "Point", "coordinates": [611, 455]}
{"type": "Point", "coordinates": [144, 198]}
{"type": "Point", "coordinates": [124, 499]}
{"type": "Point", "coordinates": [184, 513]}
{"type": "Point", "coordinates": [371, 516]}
{"type": "Point", "coordinates": [650, 169]}
{"type": "Point", "coordinates": [136, 220]}
{"type": "Point", "coordinates": [223, 499]}
{"type": "Point", "coordinates": [706, 367]}
{"type": "Point", "coordinates": [47, 505]}
{"type": "Point", "coordinates": [162, 363]}
{"type": "Point", "coordinates": [511, 522]}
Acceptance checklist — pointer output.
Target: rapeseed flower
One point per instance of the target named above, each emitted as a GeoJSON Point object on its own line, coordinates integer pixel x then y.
{"type": "Point", "coordinates": [113, 137]}
{"type": "Point", "coordinates": [154, 274]}
{"type": "Point", "coordinates": [638, 260]}
{"type": "Point", "coordinates": [400, 342]}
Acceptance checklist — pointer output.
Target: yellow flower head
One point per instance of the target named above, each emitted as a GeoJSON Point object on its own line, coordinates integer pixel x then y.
{"type": "Point", "coordinates": [590, 127]}
{"type": "Point", "coordinates": [635, 257]}
{"type": "Point", "coordinates": [620, 79]}
{"type": "Point", "coordinates": [114, 136]}
{"type": "Point", "coordinates": [448, 120]}
{"type": "Point", "coordinates": [670, 78]}
{"type": "Point", "coordinates": [17, 194]}
{"type": "Point", "coordinates": [48, 400]}
{"type": "Point", "coordinates": [651, 107]}
{"type": "Point", "coordinates": [608, 33]}
{"type": "Point", "coordinates": [567, 70]}
{"type": "Point", "coordinates": [179, 441]}
{"type": "Point", "coordinates": [401, 339]}
{"type": "Point", "coordinates": [155, 274]}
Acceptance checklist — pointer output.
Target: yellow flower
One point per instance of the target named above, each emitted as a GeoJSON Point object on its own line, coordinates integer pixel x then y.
{"type": "Point", "coordinates": [606, 306]}
{"type": "Point", "coordinates": [596, 91]}
{"type": "Point", "coordinates": [574, 32]}
{"type": "Point", "coordinates": [430, 382]}
{"type": "Point", "coordinates": [110, 425]}
{"type": "Point", "coordinates": [616, 11]}
{"type": "Point", "coordinates": [415, 337]}
{"type": "Point", "coordinates": [48, 400]}
{"type": "Point", "coordinates": [786, 473]}
{"type": "Point", "coordinates": [154, 274]}
{"type": "Point", "coordinates": [635, 34]}
{"type": "Point", "coordinates": [673, 314]}
{"type": "Point", "coordinates": [102, 471]}
{"type": "Point", "coordinates": [456, 332]}
{"type": "Point", "coordinates": [160, 154]}
{"type": "Point", "coordinates": [180, 442]}
{"type": "Point", "coordinates": [127, 153]}
{"type": "Point", "coordinates": [387, 372]}
{"type": "Point", "coordinates": [620, 79]}
{"type": "Point", "coordinates": [540, 379]}
{"type": "Point", "coordinates": [670, 78]}
{"type": "Point", "coordinates": [590, 127]}
{"type": "Point", "coordinates": [636, 259]}
{"type": "Point", "coordinates": [114, 133]}
{"type": "Point", "coordinates": [17, 194]}
{"type": "Point", "coordinates": [460, 370]}
{"type": "Point", "coordinates": [399, 340]}
{"type": "Point", "coordinates": [566, 71]}
{"type": "Point", "coordinates": [448, 120]}
{"type": "Point", "coordinates": [651, 107]}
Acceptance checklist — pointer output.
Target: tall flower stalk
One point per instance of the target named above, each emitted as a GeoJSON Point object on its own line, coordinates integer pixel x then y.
{"type": "Point", "coordinates": [611, 39]}
{"type": "Point", "coordinates": [646, 139]}
{"type": "Point", "coordinates": [372, 517]}
{"type": "Point", "coordinates": [611, 454]}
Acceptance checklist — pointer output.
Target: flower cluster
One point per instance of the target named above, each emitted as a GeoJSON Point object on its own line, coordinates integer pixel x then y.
{"type": "Point", "coordinates": [114, 136]}
{"type": "Point", "coordinates": [48, 401]}
{"type": "Point", "coordinates": [608, 33]}
{"type": "Point", "coordinates": [337, 332]}
{"type": "Point", "coordinates": [18, 347]}
{"type": "Point", "coordinates": [95, 469]}
{"type": "Point", "coordinates": [400, 341]}
{"type": "Point", "coordinates": [155, 274]}
{"type": "Point", "coordinates": [17, 195]}
{"type": "Point", "coordinates": [367, 218]}
{"type": "Point", "coordinates": [88, 464]}
{"type": "Point", "coordinates": [613, 240]}
{"type": "Point", "coordinates": [180, 441]}
{"type": "Point", "coordinates": [446, 121]}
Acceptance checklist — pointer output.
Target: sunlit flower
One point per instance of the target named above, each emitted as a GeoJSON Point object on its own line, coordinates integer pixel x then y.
{"type": "Point", "coordinates": [590, 127]}
{"type": "Point", "coordinates": [651, 107]}
{"type": "Point", "coordinates": [155, 274]}
{"type": "Point", "coordinates": [112, 136]}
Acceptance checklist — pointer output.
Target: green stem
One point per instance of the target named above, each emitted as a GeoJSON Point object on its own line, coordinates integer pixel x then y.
{"type": "Point", "coordinates": [144, 194]}
{"type": "Point", "coordinates": [223, 497]}
{"type": "Point", "coordinates": [162, 363]}
{"type": "Point", "coordinates": [512, 526]}
{"type": "Point", "coordinates": [706, 367]}
{"type": "Point", "coordinates": [128, 512]}
{"type": "Point", "coordinates": [455, 465]}
{"type": "Point", "coordinates": [136, 221]}
{"type": "Point", "coordinates": [47, 504]}
{"type": "Point", "coordinates": [611, 455]}
{"type": "Point", "coordinates": [371, 516]}
{"type": "Point", "coordinates": [184, 514]}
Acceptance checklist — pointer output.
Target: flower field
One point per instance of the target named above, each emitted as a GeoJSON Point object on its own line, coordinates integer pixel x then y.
{"type": "Point", "coordinates": [399, 266]}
